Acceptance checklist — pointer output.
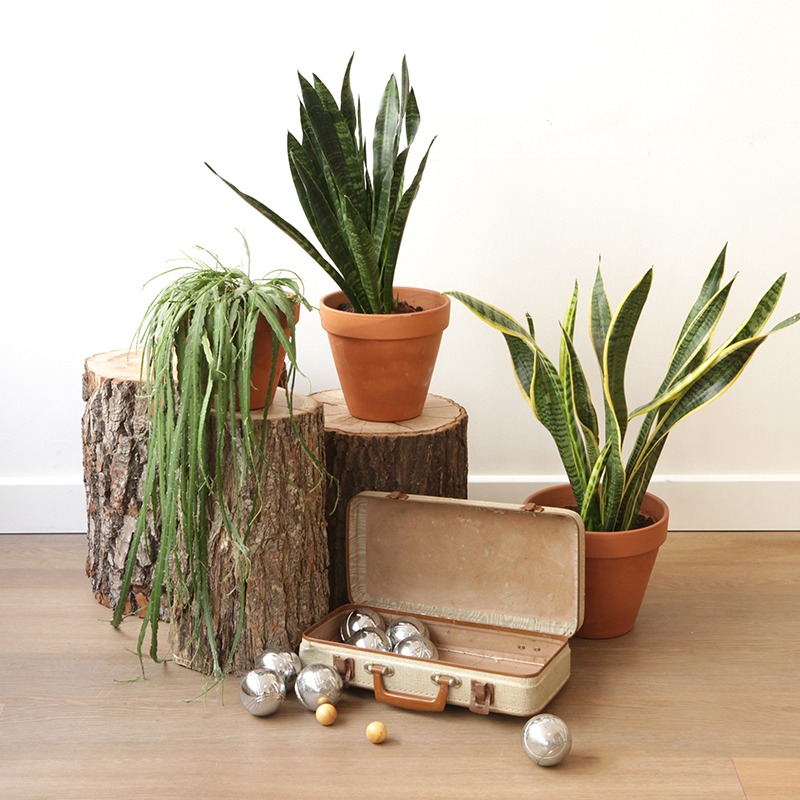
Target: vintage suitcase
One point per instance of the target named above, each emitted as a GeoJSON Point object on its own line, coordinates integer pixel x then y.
{"type": "Point", "coordinates": [499, 586]}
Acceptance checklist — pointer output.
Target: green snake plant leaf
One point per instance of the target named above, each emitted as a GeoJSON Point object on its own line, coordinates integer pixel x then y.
{"type": "Point", "coordinates": [710, 287]}
{"type": "Point", "coordinates": [347, 104]}
{"type": "Point", "coordinates": [412, 118]}
{"type": "Point", "coordinates": [336, 239]}
{"type": "Point", "coordinates": [592, 510]}
{"type": "Point", "coordinates": [577, 388]}
{"type": "Point", "coordinates": [600, 317]}
{"type": "Point", "coordinates": [615, 356]}
{"type": "Point", "coordinates": [541, 386]}
{"type": "Point", "coordinates": [290, 231]}
{"type": "Point", "coordinates": [384, 150]}
{"type": "Point", "coordinates": [568, 327]}
{"type": "Point", "coordinates": [521, 346]}
{"type": "Point", "coordinates": [333, 135]}
{"type": "Point", "coordinates": [361, 246]}
{"type": "Point", "coordinates": [398, 228]}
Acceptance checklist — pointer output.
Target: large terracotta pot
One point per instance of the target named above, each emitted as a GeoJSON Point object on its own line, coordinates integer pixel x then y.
{"type": "Point", "coordinates": [385, 361]}
{"type": "Point", "coordinates": [262, 392]}
{"type": "Point", "coordinates": [618, 565]}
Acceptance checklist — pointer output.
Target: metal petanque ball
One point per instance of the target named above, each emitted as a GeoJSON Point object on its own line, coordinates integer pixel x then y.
{"type": "Point", "coordinates": [546, 740]}
{"type": "Point", "coordinates": [361, 618]}
{"type": "Point", "coordinates": [284, 662]}
{"type": "Point", "coordinates": [417, 647]}
{"type": "Point", "coordinates": [317, 684]}
{"type": "Point", "coordinates": [262, 692]}
{"type": "Point", "coordinates": [403, 627]}
{"type": "Point", "coordinates": [370, 639]}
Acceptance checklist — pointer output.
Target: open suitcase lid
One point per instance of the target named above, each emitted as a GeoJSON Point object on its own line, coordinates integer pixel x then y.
{"type": "Point", "coordinates": [492, 563]}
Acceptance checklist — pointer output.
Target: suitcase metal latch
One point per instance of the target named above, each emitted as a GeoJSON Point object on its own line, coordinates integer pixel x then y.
{"type": "Point", "coordinates": [346, 668]}
{"type": "Point", "coordinates": [481, 697]}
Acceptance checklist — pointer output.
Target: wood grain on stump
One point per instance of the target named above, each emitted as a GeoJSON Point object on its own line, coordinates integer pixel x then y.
{"type": "Point", "coordinates": [425, 455]}
{"type": "Point", "coordinates": [286, 588]}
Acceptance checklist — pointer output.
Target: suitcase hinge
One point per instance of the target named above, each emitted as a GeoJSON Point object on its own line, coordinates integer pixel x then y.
{"type": "Point", "coordinates": [481, 697]}
{"type": "Point", "coordinates": [397, 495]}
{"type": "Point", "coordinates": [346, 668]}
{"type": "Point", "coordinates": [537, 509]}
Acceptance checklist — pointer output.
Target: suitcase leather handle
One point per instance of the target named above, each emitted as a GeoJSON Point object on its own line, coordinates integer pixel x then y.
{"type": "Point", "coordinates": [410, 701]}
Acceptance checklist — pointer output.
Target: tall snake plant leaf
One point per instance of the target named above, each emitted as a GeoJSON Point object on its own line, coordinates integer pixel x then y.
{"type": "Point", "coordinates": [615, 356]}
{"type": "Point", "coordinates": [333, 135]}
{"type": "Point", "coordinates": [335, 238]}
{"type": "Point", "coordinates": [361, 246]}
{"type": "Point", "coordinates": [600, 317]}
{"type": "Point", "coordinates": [689, 352]}
{"type": "Point", "coordinates": [398, 228]}
{"type": "Point", "coordinates": [347, 103]}
{"type": "Point", "coordinates": [290, 231]}
{"type": "Point", "coordinates": [384, 152]}
{"type": "Point", "coordinates": [539, 383]}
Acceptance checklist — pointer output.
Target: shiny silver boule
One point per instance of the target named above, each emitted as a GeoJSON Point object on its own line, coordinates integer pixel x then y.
{"type": "Point", "coordinates": [360, 618]}
{"type": "Point", "coordinates": [284, 662]}
{"type": "Point", "coordinates": [546, 740]}
{"type": "Point", "coordinates": [403, 627]}
{"type": "Point", "coordinates": [262, 692]}
{"type": "Point", "coordinates": [417, 646]}
{"type": "Point", "coordinates": [317, 684]}
{"type": "Point", "coordinates": [371, 639]}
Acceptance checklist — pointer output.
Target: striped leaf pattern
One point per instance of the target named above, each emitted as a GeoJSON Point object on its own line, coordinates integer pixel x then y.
{"type": "Point", "coordinates": [357, 217]}
{"type": "Point", "coordinates": [609, 491]}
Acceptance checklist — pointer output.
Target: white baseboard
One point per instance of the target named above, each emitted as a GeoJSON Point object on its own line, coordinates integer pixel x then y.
{"type": "Point", "coordinates": [33, 505]}
{"type": "Point", "coordinates": [696, 502]}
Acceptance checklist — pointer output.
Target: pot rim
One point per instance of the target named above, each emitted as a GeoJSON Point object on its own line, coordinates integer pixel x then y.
{"type": "Point", "coordinates": [620, 544]}
{"type": "Point", "coordinates": [357, 325]}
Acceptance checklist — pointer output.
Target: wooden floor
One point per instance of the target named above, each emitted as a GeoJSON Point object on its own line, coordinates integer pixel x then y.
{"type": "Point", "coordinates": [701, 700]}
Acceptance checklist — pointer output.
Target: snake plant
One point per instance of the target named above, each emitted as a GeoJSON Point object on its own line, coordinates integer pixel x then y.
{"type": "Point", "coordinates": [198, 347]}
{"type": "Point", "coordinates": [609, 489]}
{"type": "Point", "coordinates": [358, 218]}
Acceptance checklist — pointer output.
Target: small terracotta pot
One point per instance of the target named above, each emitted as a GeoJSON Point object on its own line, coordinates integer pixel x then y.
{"type": "Point", "coordinates": [262, 392]}
{"type": "Point", "coordinates": [385, 361]}
{"type": "Point", "coordinates": [618, 565]}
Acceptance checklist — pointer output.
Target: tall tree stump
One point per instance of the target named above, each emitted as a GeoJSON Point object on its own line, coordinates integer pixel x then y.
{"type": "Point", "coordinates": [424, 455]}
{"type": "Point", "coordinates": [114, 430]}
{"type": "Point", "coordinates": [286, 587]}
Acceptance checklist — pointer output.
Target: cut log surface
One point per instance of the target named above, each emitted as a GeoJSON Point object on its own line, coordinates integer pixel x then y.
{"type": "Point", "coordinates": [286, 589]}
{"type": "Point", "coordinates": [425, 455]}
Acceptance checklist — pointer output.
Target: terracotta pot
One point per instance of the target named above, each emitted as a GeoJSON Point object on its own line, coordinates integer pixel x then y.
{"type": "Point", "coordinates": [385, 361]}
{"type": "Point", "coordinates": [618, 565]}
{"type": "Point", "coordinates": [262, 392]}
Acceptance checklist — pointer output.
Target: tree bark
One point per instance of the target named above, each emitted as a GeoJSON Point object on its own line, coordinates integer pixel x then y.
{"type": "Point", "coordinates": [286, 578]}
{"type": "Point", "coordinates": [114, 431]}
{"type": "Point", "coordinates": [426, 455]}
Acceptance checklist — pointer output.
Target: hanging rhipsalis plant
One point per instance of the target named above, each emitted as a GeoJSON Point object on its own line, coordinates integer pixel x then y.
{"type": "Point", "coordinates": [358, 218]}
{"type": "Point", "coordinates": [197, 367]}
{"type": "Point", "coordinates": [607, 490]}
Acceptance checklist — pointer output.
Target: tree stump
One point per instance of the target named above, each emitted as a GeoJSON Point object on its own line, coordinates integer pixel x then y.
{"type": "Point", "coordinates": [286, 587]}
{"type": "Point", "coordinates": [425, 455]}
{"type": "Point", "coordinates": [114, 430]}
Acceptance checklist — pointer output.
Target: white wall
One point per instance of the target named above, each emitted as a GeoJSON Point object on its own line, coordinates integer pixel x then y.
{"type": "Point", "coordinates": [645, 133]}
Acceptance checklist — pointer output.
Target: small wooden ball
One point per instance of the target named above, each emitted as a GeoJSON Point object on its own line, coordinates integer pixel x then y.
{"type": "Point", "coordinates": [326, 714]}
{"type": "Point", "coordinates": [376, 732]}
